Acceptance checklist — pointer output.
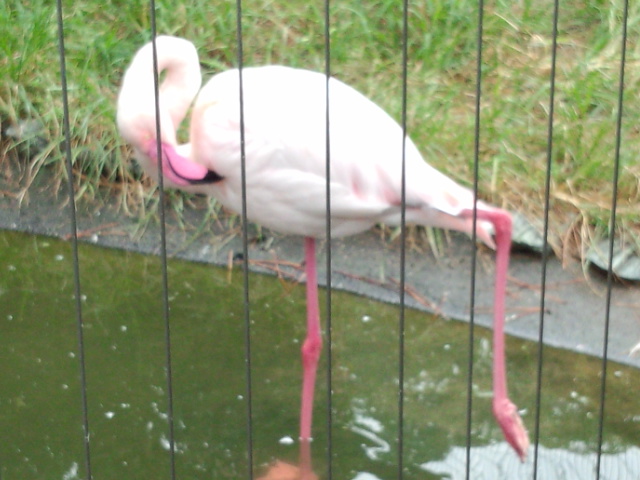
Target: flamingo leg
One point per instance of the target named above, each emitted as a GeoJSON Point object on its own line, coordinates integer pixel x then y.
{"type": "Point", "coordinates": [505, 412]}
{"type": "Point", "coordinates": [313, 342]}
{"type": "Point", "coordinates": [306, 470]}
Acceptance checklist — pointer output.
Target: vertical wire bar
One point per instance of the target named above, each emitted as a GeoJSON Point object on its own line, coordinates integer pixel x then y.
{"type": "Point", "coordinates": [74, 243]}
{"type": "Point", "coordinates": [472, 299]}
{"type": "Point", "coordinates": [327, 71]}
{"type": "Point", "coordinates": [245, 245]}
{"type": "Point", "coordinates": [403, 237]}
{"type": "Point", "coordinates": [612, 227]}
{"type": "Point", "coordinates": [163, 248]}
{"type": "Point", "coordinates": [545, 245]}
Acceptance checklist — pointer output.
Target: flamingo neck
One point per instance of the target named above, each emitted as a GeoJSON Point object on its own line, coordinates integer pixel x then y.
{"type": "Point", "coordinates": [177, 59]}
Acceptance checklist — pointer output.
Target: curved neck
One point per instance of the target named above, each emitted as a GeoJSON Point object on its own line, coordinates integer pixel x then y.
{"type": "Point", "coordinates": [177, 60]}
{"type": "Point", "coordinates": [181, 82]}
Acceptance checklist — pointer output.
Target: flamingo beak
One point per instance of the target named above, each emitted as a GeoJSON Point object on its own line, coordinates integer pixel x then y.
{"type": "Point", "coordinates": [182, 171]}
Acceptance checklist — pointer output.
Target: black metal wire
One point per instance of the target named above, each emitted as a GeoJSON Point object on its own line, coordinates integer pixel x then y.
{"type": "Point", "coordinates": [403, 237]}
{"type": "Point", "coordinates": [329, 329]}
{"type": "Point", "coordinates": [545, 244]}
{"type": "Point", "coordinates": [74, 244]}
{"type": "Point", "coordinates": [472, 299]}
{"type": "Point", "coordinates": [612, 229]}
{"type": "Point", "coordinates": [163, 248]}
{"type": "Point", "coordinates": [245, 246]}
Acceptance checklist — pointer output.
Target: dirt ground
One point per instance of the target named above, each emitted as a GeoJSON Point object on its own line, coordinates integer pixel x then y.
{"type": "Point", "coordinates": [368, 265]}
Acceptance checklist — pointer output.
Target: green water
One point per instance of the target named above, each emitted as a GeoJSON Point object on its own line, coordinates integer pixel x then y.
{"type": "Point", "coordinates": [40, 392]}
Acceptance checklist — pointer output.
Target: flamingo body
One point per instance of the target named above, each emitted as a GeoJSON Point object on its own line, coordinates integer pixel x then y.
{"type": "Point", "coordinates": [285, 141]}
{"type": "Point", "coordinates": [285, 147]}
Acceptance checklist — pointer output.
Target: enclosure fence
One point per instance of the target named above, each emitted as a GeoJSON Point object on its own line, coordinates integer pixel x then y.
{"type": "Point", "coordinates": [328, 318]}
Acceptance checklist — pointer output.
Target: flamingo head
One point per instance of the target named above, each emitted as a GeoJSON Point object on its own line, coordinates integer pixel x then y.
{"type": "Point", "coordinates": [177, 60]}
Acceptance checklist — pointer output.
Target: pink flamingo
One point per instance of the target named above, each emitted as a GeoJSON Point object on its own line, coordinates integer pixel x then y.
{"type": "Point", "coordinates": [285, 147]}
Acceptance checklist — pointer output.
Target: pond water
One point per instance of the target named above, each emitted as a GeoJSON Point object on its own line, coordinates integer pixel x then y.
{"type": "Point", "coordinates": [40, 391]}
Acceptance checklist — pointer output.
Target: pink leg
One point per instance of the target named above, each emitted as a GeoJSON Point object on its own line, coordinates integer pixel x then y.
{"type": "Point", "coordinates": [306, 471]}
{"type": "Point", "coordinates": [504, 410]}
{"type": "Point", "coordinates": [313, 342]}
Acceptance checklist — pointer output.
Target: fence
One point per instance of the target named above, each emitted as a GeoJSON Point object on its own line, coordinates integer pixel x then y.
{"type": "Point", "coordinates": [603, 463]}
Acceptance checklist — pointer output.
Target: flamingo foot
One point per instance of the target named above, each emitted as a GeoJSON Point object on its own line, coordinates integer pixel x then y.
{"type": "Point", "coordinates": [512, 427]}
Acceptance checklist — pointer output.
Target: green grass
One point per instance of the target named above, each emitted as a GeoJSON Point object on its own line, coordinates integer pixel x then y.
{"type": "Point", "coordinates": [366, 42]}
